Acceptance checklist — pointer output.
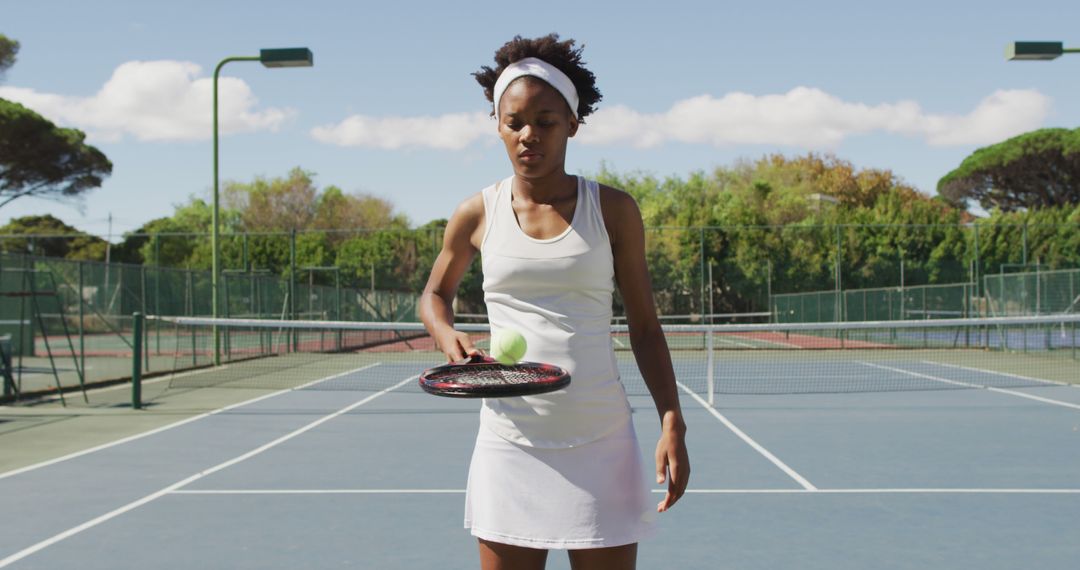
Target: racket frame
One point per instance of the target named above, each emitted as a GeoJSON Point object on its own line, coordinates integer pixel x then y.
{"type": "Point", "coordinates": [439, 379]}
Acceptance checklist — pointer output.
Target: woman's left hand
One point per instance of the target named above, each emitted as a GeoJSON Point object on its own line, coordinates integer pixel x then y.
{"type": "Point", "coordinates": [672, 460]}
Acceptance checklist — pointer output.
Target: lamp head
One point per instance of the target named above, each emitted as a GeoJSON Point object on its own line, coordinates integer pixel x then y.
{"type": "Point", "coordinates": [1034, 51]}
{"type": "Point", "coordinates": [287, 57]}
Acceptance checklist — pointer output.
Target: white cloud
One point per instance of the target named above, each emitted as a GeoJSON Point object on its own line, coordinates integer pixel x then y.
{"type": "Point", "coordinates": [155, 101]}
{"type": "Point", "coordinates": [813, 119]}
{"type": "Point", "coordinates": [448, 132]}
{"type": "Point", "coordinates": [803, 117]}
{"type": "Point", "coordinates": [1001, 115]}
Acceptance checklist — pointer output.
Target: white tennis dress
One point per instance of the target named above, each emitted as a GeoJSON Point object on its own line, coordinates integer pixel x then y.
{"type": "Point", "coordinates": [558, 470]}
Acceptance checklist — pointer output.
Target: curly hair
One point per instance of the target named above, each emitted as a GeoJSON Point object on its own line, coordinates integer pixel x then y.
{"type": "Point", "coordinates": [561, 54]}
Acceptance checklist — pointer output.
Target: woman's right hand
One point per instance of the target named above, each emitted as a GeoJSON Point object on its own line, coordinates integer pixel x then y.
{"type": "Point", "coordinates": [456, 345]}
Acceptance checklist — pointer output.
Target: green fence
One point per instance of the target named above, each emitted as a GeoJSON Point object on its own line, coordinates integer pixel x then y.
{"type": "Point", "coordinates": [798, 272]}
{"type": "Point", "coordinates": [694, 270]}
{"type": "Point", "coordinates": [1027, 293]}
{"type": "Point", "coordinates": [70, 321]}
{"type": "Point", "coordinates": [118, 289]}
{"type": "Point", "coordinates": [918, 302]}
{"type": "Point", "coordinates": [1033, 292]}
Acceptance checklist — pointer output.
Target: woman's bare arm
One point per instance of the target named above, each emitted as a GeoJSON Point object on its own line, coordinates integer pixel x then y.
{"type": "Point", "coordinates": [627, 232]}
{"type": "Point", "coordinates": [461, 242]}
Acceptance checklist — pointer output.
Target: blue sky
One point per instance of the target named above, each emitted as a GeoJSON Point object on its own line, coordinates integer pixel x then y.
{"type": "Point", "coordinates": [390, 108]}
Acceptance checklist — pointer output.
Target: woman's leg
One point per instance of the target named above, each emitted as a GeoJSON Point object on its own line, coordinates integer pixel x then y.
{"type": "Point", "coordinates": [498, 556]}
{"type": "Point", "coordinates": [613, 558]}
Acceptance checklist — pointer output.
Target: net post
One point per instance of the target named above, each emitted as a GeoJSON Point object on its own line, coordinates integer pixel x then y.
{"type": "Point", "coordinates": [710, 380]}
{"type": "Point", "coordinates": [136, 361]}
{"type": "Point", "coordinates": [975, 272]}
{"type": "Point", "coordinates": [1074, 327]}
{"type": "Point", "coordinates": [293, 336]}
{"type": "Point", "coordinates": [82, 317]}
{"type": "Point", "coordinates": [5, 365]}
{"type": "Point", "coordinates": [769, 296]}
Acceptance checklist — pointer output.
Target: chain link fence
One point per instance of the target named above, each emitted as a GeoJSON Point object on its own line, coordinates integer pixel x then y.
{"type": "Point", "coordinates": [376, 275]}
{"type": "Point", "coordinates": [68, 312]}
{"type": "Point", "coordinates": [1039, 292]}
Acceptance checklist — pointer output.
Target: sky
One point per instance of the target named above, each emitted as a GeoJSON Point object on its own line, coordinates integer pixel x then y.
{"type": "Point", "coordinates": [390, 107]}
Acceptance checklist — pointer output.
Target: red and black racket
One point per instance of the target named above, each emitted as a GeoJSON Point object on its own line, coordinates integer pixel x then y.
{"type": "Point", "coordinates": [480, 376]}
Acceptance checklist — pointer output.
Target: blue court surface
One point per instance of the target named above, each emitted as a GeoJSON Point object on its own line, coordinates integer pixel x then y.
{"type": "Point", "coordinates": [984, 478]}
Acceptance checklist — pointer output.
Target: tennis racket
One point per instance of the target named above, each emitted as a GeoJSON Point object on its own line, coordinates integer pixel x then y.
{"type": "Point", "coordinates": [480, 376]}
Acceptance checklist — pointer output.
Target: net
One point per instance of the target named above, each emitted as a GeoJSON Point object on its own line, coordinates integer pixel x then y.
{"type": "Point", "coordinates": [70, 321]}
{"type": "Point", "coordinates": [773, 358]}
{"type": "Point", "coordinates": [707, 318]}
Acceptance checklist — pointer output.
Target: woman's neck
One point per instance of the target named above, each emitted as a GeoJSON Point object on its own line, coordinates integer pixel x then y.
{"type": "Point", "coordinates": [548, 189]}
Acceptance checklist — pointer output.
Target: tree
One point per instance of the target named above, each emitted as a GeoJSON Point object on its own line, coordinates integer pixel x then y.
{"type": "Point", "coordinates": [39, 159]}
{"type": "Point", "coordinates": [277, 204]}
{"type": "Point", "coordinates": [337, 210]}
{"type": "Point", "coordinates": [1036, 169]}
{"type": "Point", "coordinates": [9, 48]}
{"type": "Point", "coordinates": [1049, 237]}
{"type": "Point", "coordinates": [295, 203]}
{"type": "Point", "coordinates": [260, 221]}
{"type": "Point", "coordinates": [57, 239]}
{"type": "Point", "coordinates": [181, 240]}
{"type": "Point", "coordinates": [784, 221]}
{"type": "Point", "coordinates": [269, 209]}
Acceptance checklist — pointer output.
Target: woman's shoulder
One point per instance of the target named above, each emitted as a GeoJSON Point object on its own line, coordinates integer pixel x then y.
{"type": "Point", "coordinates": [617, 206]}
{"type": "Point", "coordinates": [470, 211]}
{"type": "Point", "coordinates": [614, 196]}
{"type": "Point", "coordinates": [470, 214]}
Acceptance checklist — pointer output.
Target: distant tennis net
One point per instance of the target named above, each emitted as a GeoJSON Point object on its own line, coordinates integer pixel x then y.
{"type": "Point", "coordinates": [709, 359]}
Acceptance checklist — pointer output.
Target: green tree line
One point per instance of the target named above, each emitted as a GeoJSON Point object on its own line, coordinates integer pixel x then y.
{"type": "Point", "coordinates": [776, 224]}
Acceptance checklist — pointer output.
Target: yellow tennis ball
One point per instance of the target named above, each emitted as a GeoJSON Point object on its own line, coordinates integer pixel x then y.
{"type": "Point", "coordinates": [508, 346]}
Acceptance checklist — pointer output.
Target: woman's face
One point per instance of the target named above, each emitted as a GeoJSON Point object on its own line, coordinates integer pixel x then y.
{"type": "Point", "coordinates": [534, 124]}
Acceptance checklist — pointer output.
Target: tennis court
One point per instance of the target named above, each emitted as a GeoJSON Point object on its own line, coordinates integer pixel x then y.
{"type": "Point", "coordinates": [821, 449]}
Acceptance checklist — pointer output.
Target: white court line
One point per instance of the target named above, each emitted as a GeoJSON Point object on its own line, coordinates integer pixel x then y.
{"type": "Point", "coordinates": [919, 375]}
{"type": "Point", "coordinates": [319, 492]}
{"type": "Point", "coordinates": [172, 425]}
{"type": "Point", "coordinates": [759, 343]}
{"type": "Point", "coordinates": [896, 491]}
{"type": "Point", "coordinates": [111, 388]}
{"type": "Point", "coordinates": [989, 388]}
{"type": "Point", "coordinates": [1006, 374]}
{"type": "Point", "coordinates": [749, 441]}
{"type": "Point", "coordinates": [728, 341]}
{"type": "Point", "coordinates": [173, 376]}
{"type": "Point", "coordinates": [163, 378]}
{"type": "Point", "coordinates": [158, 494]}
{"type": "Point", "coordinates": [127, 385]}
{"type": "Point", "coordinates": [913, 491]}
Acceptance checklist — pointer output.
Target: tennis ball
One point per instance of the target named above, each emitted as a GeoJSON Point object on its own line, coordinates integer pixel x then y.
{"type": "Point", "coordinates": [508, 346]}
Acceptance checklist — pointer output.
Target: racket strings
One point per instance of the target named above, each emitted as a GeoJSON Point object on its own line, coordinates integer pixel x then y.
{"type": "Point", "coordinates": [495, 374]}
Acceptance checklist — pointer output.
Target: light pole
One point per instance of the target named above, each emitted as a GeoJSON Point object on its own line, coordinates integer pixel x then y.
{"type": "Point", "coordinates": [280, 57]}
{"type": "Point", "coordinates": [1036, 51]}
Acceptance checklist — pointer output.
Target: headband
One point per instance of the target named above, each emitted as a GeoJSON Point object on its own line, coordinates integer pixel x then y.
{"type": "Point", "coordinates": [541, 69]}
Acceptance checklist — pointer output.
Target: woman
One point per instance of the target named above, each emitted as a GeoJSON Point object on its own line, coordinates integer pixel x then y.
{"type": "Point", "coordinates": [560, 470]}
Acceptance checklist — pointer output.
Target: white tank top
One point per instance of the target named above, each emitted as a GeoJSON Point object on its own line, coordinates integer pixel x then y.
{"type": "Point", "coordinates": [557, 293]}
